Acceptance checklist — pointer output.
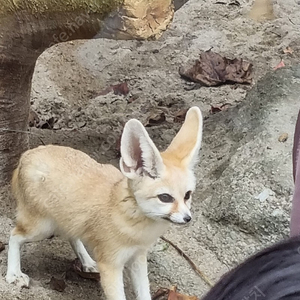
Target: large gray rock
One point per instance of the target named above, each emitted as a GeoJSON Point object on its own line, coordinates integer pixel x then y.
{"type": "Point", "coordinates": [246, 172]}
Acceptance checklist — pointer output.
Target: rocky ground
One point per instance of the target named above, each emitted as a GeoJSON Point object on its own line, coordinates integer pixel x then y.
{"type": "Point", "coordinates": [244, 177]}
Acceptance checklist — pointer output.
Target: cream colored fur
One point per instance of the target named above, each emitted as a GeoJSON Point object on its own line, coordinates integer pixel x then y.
{"type": "Point", "coordinates": [118, 215]}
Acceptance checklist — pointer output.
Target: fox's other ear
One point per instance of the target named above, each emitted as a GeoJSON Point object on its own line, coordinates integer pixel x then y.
{"type": "Point", "coordinates": [139, 155]}
{"type": "Point", "coordinates": [186, 144]}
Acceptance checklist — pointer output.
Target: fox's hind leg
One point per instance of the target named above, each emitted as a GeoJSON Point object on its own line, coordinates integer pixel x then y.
{"type": "Point", "coordinates": [31, 230]}
{"type": "Point", "coordinates": [88, 264]}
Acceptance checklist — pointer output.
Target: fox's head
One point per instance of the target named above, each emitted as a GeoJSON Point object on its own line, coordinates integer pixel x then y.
{"type": "Point", "coordinates": [162, 183]}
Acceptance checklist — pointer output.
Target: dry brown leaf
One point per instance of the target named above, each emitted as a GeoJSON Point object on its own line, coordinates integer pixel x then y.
{"type": "Point", "coordinates": [176, 296]}
{"type": "Point", "coordinates": [77, 267]}
{"type": "Point", "coordinates": [280, 65]}
{"type": "Point", "coordinates": [172, 294]}
{"type": "Point", "coordinates": [212, 69]}
{"type": "Point", "coordinates": [121, 89]}
{"type": "Point", "coordinates": [155, 119]}
{"type": "Point", "coordinates": [180, 116]}
{"type": "Point", "coordinates": [216, 109]}
{"type": "Point", "coordinates": [118, 89]}
{"type": "Point", "coordinates": [57, 284]}
{"type": "Point", "coordinates": [160, 293]}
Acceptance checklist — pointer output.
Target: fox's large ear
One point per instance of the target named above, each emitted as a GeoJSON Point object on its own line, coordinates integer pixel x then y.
{"type": "Point", "coordinates": [186, 144]}
{"type": "Point", "coordinates": [139, 156]}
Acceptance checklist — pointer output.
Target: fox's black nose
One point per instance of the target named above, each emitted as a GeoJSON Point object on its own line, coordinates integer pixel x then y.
{"type": "Point", "coordinates": [187, 219]}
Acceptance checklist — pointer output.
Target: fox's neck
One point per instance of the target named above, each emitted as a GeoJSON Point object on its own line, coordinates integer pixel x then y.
{"type": "Point", "coordinates": [132, 221]}
{"type": "Point", "coordinates": [126, 201]}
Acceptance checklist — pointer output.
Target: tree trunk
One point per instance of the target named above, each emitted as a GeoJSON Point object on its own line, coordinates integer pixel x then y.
{"type": "Point", "coordinates": [28, 27]}
{"type": "Point", "coordinates": [15, 83]}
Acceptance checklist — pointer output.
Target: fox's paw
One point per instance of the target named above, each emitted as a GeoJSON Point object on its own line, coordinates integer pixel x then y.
{"type": "Point", "coordinates": [90, 268]}
{"type": "Point", "coordinates": [21, 279]}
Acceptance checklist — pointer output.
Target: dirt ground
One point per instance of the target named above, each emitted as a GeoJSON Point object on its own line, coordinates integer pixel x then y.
{"type": "Point", "coordinates": [242, 160]}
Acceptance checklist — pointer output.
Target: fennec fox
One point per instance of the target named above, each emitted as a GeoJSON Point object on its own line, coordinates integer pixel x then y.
{"type": "Point", "coordinates": [118, 215]}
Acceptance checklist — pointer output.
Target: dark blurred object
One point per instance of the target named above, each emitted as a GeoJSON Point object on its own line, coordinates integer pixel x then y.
{"type": "Point", "coordinates": [271, 274]}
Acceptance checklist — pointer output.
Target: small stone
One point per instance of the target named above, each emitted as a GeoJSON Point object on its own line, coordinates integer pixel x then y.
{"type": "Point", "coordinates": [56, 126]}
{"type": "Point", "coordinates": [81, 124]}
{"type": "Point", "coordinates": [283, 137]}
{"type": "Point", "coordinates": [264, 195]}
{"type": "Point", "coordinates": [277, 212]}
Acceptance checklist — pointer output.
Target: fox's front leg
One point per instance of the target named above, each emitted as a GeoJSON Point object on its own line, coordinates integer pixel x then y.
{"type": "Point", "coordinates": [112, 281]}
{"type": "Point", "coordinates": [139, 275]}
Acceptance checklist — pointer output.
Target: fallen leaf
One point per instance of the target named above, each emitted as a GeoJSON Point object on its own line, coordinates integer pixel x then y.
{"type": "Point", "coordinates": [172, 295]}
{"type": "Point", "coordinates": [212, 69]}
{"type": "Point", "coordinates": [57, 284]}
{"type": "Point", "coordinates": [121, 89]}
{"type": "Point", "coordinates": [176, 296]}
{"type": "Point", "coordinates": [2, 247]}
{"type": "Point", "coordinates": [288, 50]}
{"type": "Point", "coordinates": [105, 92]}
{"type": "Point", "coordinates": [160, 293]}
{"type": "Point", "coordinates": [216, 109]}
{"type": "Point", "coordinates": [155, 119]}
{"type": "Point", "coordinates": [280, 65]}
{"type": "Point", "coordinates": [77, 268]}
{"type": "Point", "coordinates": [118, 89]}
{"type": "Point", "coordinates": [180, 116]}
{"type": "Point", "coordinates": [283, 137]}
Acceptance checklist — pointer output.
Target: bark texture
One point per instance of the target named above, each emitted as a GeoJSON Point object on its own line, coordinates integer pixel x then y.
{"type": "Point", "coordinates": [28, 27]}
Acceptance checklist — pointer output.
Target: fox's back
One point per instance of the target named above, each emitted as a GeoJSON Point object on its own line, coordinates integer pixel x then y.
{"type": "Point", "coordinates": [51, 178]}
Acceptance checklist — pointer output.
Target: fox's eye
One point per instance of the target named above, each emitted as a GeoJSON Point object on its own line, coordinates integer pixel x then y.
{"type": "Point", "coordinates": [187, 195]}
{"type": "Point", "coordinates": [166, 198]}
